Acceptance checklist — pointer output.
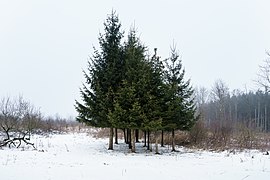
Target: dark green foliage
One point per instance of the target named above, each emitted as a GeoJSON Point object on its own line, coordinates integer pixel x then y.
{"type": "Point", "coordinates": [129, 104]}
{"type": "Point", "coordinates": [126, 90]}
{"type": "Point", "coordinates": [154, 95]}
{"type": "Point", "coordinates": [104, 78]}
{"type": "Point", "coordinates": [180, 107]}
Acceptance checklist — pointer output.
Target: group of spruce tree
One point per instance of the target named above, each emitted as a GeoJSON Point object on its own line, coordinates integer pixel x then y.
{"type": "Point", "coordinates": [127, 89]}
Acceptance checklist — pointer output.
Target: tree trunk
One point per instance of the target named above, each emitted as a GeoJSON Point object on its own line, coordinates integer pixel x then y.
{"type": "Point", "coordinates": [173, 140]}
{"type": "Point", "coordinates": [259, 116]}
{"type": "Point", "coordinates": [156, 142]}
{"type": "Point", "coordinates": [125, 135]}
{"type": "Point", "coordinates": [255, 115]}
{"type": "Point", "coordinates": [133, 150]}
{"type": "Point", "coordinates": [144, 139]}
{"type": "Point", "coordinates": [111, 139]}
{"type": "Point", "coordinates": [116, 136]}
{"type": "Point", "coordinates": [148, 140]}
{"type": "Point", "coordinates": [129, 139]}
{"type": "Point", "coordinates": [7, 132]}
{"type": "Point", "coordinates": [162, 138]}
{"type": "Point", "coordinates": [137, 135]}
{"type": "Point", "coordinates": [265, 118]}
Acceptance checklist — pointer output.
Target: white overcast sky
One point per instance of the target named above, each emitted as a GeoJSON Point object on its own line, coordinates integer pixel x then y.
{"type": "Point", "coordinates": [45, 44]}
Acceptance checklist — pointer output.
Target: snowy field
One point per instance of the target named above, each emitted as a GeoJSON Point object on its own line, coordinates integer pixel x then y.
{"type": "Point", "coordinates": [82, 157]}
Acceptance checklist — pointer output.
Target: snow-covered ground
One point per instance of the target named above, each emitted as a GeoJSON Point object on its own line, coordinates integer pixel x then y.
{"type": "Point", "coordinates": [82, 157]}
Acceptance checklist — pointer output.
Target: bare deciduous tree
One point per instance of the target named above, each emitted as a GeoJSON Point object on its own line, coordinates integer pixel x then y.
{"type": "Point", "coordinates": [220, 92]}
{"type": "Point", "coordinates": [17, 119]}
{"type": "Point", "coordinates": [201, 97]}
{"type": "Point", "coordinates": [263, 79]}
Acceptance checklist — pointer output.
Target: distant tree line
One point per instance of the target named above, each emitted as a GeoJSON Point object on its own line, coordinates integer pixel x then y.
{"type": "Point", "coordinates": [128, 89]}
{"type": "Point", "coordinates": [223, 108]}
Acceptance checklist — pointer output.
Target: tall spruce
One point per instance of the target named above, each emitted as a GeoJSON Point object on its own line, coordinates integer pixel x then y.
{"type": "Point", "coordinates": [128, 112]}
{"type": "Point", "coordinates": [103, 78]}
{"type": "Point", "coordinates": [180, 106]}
{"type": "Point", "coordinates": [154, 96]}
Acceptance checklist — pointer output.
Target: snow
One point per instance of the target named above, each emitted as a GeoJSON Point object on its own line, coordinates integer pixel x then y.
{"type": "Point", "coordinates": [79, 156]}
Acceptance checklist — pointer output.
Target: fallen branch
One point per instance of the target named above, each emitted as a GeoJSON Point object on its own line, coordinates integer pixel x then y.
{"type": "Point", "coordinates": [16, 140]}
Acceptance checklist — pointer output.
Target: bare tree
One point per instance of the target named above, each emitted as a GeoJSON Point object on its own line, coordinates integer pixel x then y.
{"type": "Point", "coordinates": [220, 92]}
{"type": "Point", "coordinates": [8, 116]}
{"type": "Point", "coordinates": [17, 119]}
{"type": "Point", "coordinates": [263, 79]}
{"type": "Point", "coordinates": [201, 97]}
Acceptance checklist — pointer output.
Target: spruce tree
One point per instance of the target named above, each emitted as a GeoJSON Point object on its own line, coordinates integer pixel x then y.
{"type": "Point", "coordinates": [154, 95]}
{"type": "Point", "coordinates": [179, 101]}
{"type": "Point", "coordinates": [128, 112]}
{"type": "Point", "coordinates": [103, 78]}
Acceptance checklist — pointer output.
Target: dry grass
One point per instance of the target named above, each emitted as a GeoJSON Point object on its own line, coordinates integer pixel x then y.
{"type": "Point", "coordinates": [224, 138]}
{"type": "Point", "coordinates": [217, 139]}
